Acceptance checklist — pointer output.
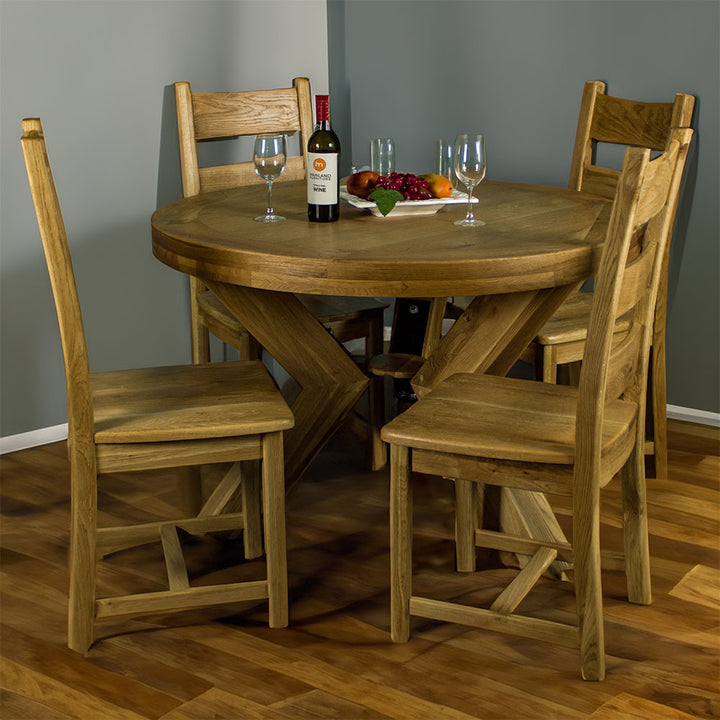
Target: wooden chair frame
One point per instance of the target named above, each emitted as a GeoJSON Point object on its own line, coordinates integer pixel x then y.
{"type": "Point", "coordinates": [604, 418]}
{"type": "Point", "coordinates": [154, 418]}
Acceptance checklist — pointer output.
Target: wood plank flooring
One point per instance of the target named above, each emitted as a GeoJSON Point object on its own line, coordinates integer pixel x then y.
{"type": "Point", "coordinates": [336, 659]}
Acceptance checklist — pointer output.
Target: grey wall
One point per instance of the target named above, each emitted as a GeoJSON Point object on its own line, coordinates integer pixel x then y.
{"type": "Point", "coordinates": [423, 69]}
{"type": "Point", "coordinates": [99, 75]}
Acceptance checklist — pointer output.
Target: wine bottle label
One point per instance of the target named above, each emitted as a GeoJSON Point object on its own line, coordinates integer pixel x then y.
{"type": "Point", "coordinates": [322, 185]}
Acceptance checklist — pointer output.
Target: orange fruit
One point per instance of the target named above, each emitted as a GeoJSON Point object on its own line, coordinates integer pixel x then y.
{"type": "Point", "coordinates": [439, 185]}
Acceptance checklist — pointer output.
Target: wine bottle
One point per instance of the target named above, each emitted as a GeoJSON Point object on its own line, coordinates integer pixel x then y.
{"type": "Point", "coordinates": [322, 167]}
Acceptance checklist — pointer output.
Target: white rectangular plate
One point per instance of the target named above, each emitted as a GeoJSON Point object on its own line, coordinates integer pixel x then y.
{"type": "Point", "coordinates": [407, 207]}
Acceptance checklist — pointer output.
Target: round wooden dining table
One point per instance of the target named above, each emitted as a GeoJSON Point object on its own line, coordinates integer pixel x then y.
{"type": "Point", "coordinates": [538, 244]}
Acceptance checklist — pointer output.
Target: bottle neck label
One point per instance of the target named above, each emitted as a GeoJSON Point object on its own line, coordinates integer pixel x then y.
{"type": "Point", "coordinates": [322, 178]}
{"type": "Point", "coordinates": [322, 108]}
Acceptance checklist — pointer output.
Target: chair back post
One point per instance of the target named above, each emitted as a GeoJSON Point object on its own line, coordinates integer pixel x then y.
{"type": "Point", "coordinates": [583, 148]}
{"type": "Point", "coordinates": [186, 134]}
{"type": "Point", "coordinates": [682, 110]}
{"type": "Point", "coordinates": [590, 415]}
{"type": "Point", "coordinates": [81, 444]}
{"type": "Point", "coordinates": [305, 111]}
{"type": "Point", "coordinates": [62, 279]}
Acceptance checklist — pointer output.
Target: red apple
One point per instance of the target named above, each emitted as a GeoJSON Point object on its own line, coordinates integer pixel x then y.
{"type": "Point", "coordinates": [362, 183]}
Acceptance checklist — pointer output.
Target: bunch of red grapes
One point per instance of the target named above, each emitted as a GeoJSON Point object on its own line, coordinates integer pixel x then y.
{"type": "Point", "coordinates": [411, 186]}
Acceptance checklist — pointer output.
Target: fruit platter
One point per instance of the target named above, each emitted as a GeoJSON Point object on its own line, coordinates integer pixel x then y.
{"type": "Point", "coordinates": [399, 194]}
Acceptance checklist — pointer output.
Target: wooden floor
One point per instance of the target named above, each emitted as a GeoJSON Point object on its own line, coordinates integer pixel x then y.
{"type": "Point", "coordinates": [336, 659]}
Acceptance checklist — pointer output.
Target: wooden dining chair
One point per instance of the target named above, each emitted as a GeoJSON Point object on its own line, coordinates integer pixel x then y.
{"type": "Point", "coordinates": [204, 117]}
{"type": "Point", "coordinates": [526, 436]}
{"type": "Point", "coordinates": [606, 120]}
{"type": "Point", "coordinates": [152, 418]}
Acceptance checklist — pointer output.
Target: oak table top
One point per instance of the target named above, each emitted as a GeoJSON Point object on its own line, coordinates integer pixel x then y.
{"type": "Point", "coordinates": [536, 237]}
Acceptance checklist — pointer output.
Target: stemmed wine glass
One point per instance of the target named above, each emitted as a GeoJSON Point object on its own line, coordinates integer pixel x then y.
{"type": "Point", "coordinates": [269, 157]}
{"type": "Point", "coordinates": [470, 167]}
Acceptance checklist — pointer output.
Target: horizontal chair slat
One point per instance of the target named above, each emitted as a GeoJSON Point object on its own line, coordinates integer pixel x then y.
{"type": "Point", "coordinates": [245, 113]}
{"type": "Point", "coordinates": [534, 477]}
{"type": "Point", "coordinates": [625, 122]}
{"type": "Point", "coordinates": [477, 617]}
{"type": "Point", "coordinates": [134, 457]}
{"type": "Point", "coordinates": [112, 539]}
{"type": "Point", "coordinates": [520, 545]}
{"type": "Point", "coordinates": [527, 546]}
{"type": "Point", "coordinates": [195, 597]}
{"type": "Point", "coordinates": [219, 177]}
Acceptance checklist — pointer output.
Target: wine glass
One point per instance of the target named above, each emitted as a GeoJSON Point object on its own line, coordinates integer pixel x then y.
{"type": "Point", "coordinates": [470, 167]}
{"type": "Point", "coordinates": [269, 157]}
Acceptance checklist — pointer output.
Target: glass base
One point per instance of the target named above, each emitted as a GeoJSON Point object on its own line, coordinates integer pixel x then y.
{"type": "Point", "coordinates": [269, 218]}
{"type": "Point", "coordinates": [469, 223]}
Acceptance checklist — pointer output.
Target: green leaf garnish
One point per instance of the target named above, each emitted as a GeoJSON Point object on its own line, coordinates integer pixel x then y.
{"type": "Point", "coordinates": [385, 199]}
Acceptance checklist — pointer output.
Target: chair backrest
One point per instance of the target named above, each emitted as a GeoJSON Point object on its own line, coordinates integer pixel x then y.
{"type": "Point", "coordinates": [62, 279]}
{"type": "Point", "coordinates": [212, 116]}
{"type": "Point", "coordinates": [626, 284]}
{"type": "Point", "coordinates": [607, 119]}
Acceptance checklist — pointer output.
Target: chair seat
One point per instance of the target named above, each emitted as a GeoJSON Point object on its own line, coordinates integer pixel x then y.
{"type": "Point", "coordinates": [402, 366]}
{"type": "Point", "coordinates": [570, 322]}
{"type": "Point", "coordinates": [505, 419]}
{"type": "Point", "coordinates": [189, 402]}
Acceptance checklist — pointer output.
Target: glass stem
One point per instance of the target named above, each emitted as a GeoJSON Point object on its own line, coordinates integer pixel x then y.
{"type": "Point", "coordinates": [270, 211]}
{"type": "Point", "coordinates": [470, 215]}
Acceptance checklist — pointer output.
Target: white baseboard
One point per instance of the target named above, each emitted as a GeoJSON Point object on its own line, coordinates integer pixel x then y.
{"type": "Point", "coordinates": [703, 417]}
{"type": "Point", "coordinates": [25, 440]}
{"type": "Point", "coordinates": [43, 436]}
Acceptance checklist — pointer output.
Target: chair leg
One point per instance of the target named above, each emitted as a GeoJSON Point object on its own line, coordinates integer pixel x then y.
{"type": "Point", "coordinates": [658, 393]}
{"type": "Point", "coordinates": [637, 551]}
{"type": "Point", "coordinates": [199, 335]}
{"type": "Point", "coordinates": [400, 543]}
{"type": "Point", "coordinates": [549, 364]}
{"type": "Point", "coordinates": [376, 419]}
{"type": "Point", "coordinates": [255, 349]}
{"type": "Point", "coordinates": [190, 489]}
{"type": "Point", "coordinates": [465, 524]}
{"type": "Point", "coordinates": [572, 373]}
{"type": "Point", "coordinates": [273, 494]}
{"type": "Point", "coordinates": [252, 519]}
{"type": "Point", "coordinates": [588, 584]}
{"type": "Point", "coordinates": [247, 346]}
{"type": "Point", "coordinates": [376, 395]}
{"type": "Point", "coordinates": [81, 604]}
